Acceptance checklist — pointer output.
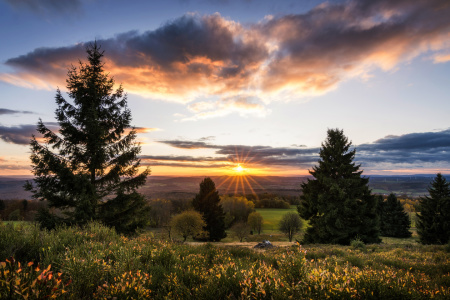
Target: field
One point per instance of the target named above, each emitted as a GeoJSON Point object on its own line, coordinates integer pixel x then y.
{"type": "Point", "coordinates": [96, 263]}
{"type": "Point", "coordinates": [272, 217]}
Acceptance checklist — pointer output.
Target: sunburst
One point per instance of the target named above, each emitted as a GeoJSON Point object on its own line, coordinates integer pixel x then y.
{"type": "Point", "coordinates": [241, 173]}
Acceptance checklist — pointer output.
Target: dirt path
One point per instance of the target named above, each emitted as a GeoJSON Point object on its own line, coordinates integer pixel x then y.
{"type": "Point", "coordinates": [242, 245]}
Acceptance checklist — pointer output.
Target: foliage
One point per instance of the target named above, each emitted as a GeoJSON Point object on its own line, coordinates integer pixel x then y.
{"type": "Point", "coordinates": [394, 221]}
{"type": "Point", "coordinates": [100, 264]}
{"type": "Point", "coordinates": [160, 212]}
{"type": "Point", "coordinates": [272, 200]}
{"type": "Point", "coordinates": [96, 157]}
{"type": "Point", "coordinates": [27, 212]}
{"type": "Point", "coordinates": [14, 215]}
{"type": "Point", "coordinates": [207, 202]}
{"type": "Point", "coordinates": [236, 209]}
{"type": "Point", "coordinates": [255, 221]}
{"type": "Point", "coordinates": [29, 282]}
{"type": "Point", "coordinates": [188, 223]}
{"type": "Point", "coordinates": [241, 230]}
{"type": "Point", "coordinates": [291, 224]}
{"type": "Point", "coordinates": [338, 202]}
{"type": "Point", "coordinates": [357, 244]}
{"type": "Point", "coordinates": [433, 224]}
{"type": "Point", "coordinates": [125, 212]}
{"type": "Point", "coordinates": [130, 285]}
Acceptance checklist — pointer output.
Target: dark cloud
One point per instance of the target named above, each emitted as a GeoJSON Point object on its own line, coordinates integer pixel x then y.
{"type": "Point", "coordinates": [430, 147]}
{"type": "Point", "coordinates": [48, 7]}
{"type": "Point", "coordinates": [259, 155]}
{"type": "Point", "coordinates": [413, 149]}
{"type": "Point", "coordinates": [4, 111]}
{"type": "Point", "coordinates": [21, 134]}
{"type": "Point", "coordinates": [17, 135]}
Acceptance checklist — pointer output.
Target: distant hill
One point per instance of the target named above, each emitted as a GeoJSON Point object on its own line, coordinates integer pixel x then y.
{"type": "Point", "coordinates": [11, 187]}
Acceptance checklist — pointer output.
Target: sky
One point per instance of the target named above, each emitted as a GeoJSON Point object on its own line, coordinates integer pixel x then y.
{"type": "Point", "coordinates": [222, 87]}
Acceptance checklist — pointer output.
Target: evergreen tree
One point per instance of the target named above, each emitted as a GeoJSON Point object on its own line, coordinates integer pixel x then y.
{"type": "Point", "coordinates": [92, 163]}
{"type": "Point", "coordinates": [338, 202]}
{"type": "Point", "coordinates": [207, 203]}
{"type": "Point", "coordinates": [433, 221]}
{"type": "Point", "coordinates": [394, 221]}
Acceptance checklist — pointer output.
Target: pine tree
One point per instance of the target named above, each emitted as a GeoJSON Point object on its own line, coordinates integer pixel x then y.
{"type": "Point", "coordinates": [338, 202]}
{"type": "Point", "coordinates": [92, 162]}
{"type": "Point", "coordinates": [433, 221]}
{"type": "Point", "coordinates": [394, 221]}
{"type": "Point", "coordinates": [207, 203]}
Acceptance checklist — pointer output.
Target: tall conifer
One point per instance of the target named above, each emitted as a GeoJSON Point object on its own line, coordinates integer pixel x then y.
{"type": "Point", "coordinates": [338, 202]}
{"type": "Point", "coordinates": [92, 163]}
{"type": "Point", "coordinates": [207, 202]}
{"type": "Point", "coordinates": [433, 220]}
{"type": "Point", "coordinates": [394, 221]}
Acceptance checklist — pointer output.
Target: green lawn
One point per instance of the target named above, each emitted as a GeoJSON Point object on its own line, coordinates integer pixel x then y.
{"type": "Point", "coordinates": [272, 216]}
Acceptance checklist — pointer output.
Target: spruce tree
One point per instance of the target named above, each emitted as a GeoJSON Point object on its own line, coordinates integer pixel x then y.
{"type": "Point", "coordinates": [338, 202]}
{"type": "Point", "coordinates": [433, 220]}
{"type": "Point", "coordinates": [394, 221]}
{"type": "Point", "coordinates": [207, 203]}
{"type": "Point", "coordinates": [89, 169]}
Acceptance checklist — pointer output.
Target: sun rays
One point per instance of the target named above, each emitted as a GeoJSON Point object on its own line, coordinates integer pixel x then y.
{"type": "Point", "coordinates": [242, 177]}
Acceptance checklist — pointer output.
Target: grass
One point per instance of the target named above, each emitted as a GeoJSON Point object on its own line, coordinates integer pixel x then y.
{"type": "Point", "coordinates": [17, 223]}
{"type": "Point", "coordinates": [272, 217]}
{"type": "Point", "coordinates": [96, 263]}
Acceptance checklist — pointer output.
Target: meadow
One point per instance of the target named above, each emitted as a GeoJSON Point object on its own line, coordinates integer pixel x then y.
{"type": "Point", "coordinates": [272, 217]}
{"type": "Point", "coordinates": [96, 263]}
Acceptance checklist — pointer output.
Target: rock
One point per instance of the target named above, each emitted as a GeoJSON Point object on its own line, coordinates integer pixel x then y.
{"type": "Point", "coordinates": [264, 245]}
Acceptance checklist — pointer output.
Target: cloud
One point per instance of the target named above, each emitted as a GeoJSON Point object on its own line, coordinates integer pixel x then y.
{"type": "Point", "coordinates": [242, 68]}
{"type": "Point", "coordinates": [429, 150]}
{"type": "Point", "coordinates": [17, 134]}
{"type": "Point", "coordinates": [232, 154]}
{"type": "Point", "coordinates": [4, 111]}
{"type": "Point", "coordinates": [424, 147]}
{"type": "Point", "coordinates": [145, 129]}
{"type": "Point", "coordinates": [318, 50]}
{"type": "Point", "coordinates": [48, 7]}
{"type": "Point", "coordinates": [442, 58]}
{"type": "Point", "coordinates": [21, 134]}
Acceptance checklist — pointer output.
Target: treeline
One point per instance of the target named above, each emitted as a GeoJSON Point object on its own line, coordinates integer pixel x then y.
{"type": "Point", "coordinates": [20, 209]}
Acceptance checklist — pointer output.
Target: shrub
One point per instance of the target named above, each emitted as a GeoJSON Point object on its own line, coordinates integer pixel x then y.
{"type": "Point", "coordinates": [357, 243]}
{"type": "Point", "coordinates": [29, 282]}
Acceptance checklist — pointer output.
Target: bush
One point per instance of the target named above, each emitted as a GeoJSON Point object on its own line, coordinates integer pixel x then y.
{"type": "Point", "coordinates": [29, 282]}
{"type": "Point", "coordinates": [357, 243]}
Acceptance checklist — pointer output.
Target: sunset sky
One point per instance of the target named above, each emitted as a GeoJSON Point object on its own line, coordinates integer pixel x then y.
{"type": "Point", "coordinates": [216, 83]}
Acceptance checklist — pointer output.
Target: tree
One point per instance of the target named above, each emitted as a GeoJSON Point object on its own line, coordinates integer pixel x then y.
{"type": "Point", "coordinates": [241, 230]}
{"type": "Point", "coordinates": [394, 221]}
{"type": "Point", "coordinates": [160, 212]}
{"type": "Point", "coordinates": [433, 221]}
{"type": "Point", "coordinates": [188, 223]}
{"type": "Point", "coordinates": [255, 221]}
{"type": "Point", "coordinates": [338, 202]}
{"type": "Point", "coordinates": [236, 209]}
{"type": "Point", "coordinates": [207, 203]}
{"type": "Point", "coordinates": [290, 224]}
{"type": "Point", "coordinates": [91, 165]}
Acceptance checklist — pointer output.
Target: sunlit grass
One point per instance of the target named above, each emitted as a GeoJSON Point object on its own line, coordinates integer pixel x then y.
{"type": "Point", "coordinates": [272, 217]}
{"type": "Point", "coordinates": [96, 263]}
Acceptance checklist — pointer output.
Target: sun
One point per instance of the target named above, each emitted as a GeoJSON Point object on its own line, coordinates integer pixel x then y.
{"type": "Point", "coordinates": [239, 169]}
